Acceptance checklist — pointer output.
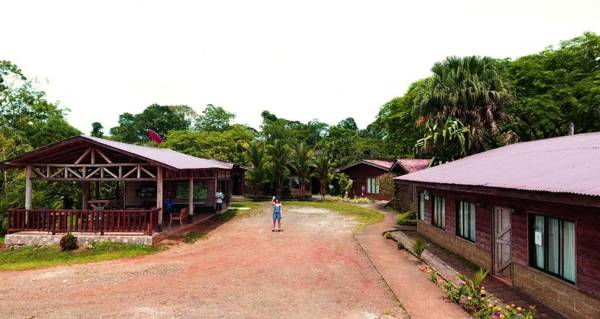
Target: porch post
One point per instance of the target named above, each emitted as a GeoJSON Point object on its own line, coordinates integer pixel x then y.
{"type": "Point", "coordinates": [191, 200]}
{"type": "Point", "coordinates": [85, 194]}
{"type": "Point", "coordinates": [159, 195]}
{"type": "Point", "coordinates": [28, 187]}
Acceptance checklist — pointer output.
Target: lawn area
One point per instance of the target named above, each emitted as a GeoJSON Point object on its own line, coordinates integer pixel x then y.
{"type": "Point", "coordinates": [40, 257]}
{"type": "Point", "coordinates": [363, 215]}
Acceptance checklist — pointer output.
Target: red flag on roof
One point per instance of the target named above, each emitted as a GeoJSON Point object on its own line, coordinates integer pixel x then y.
{"type": "Point", "coordinates": [155, 137]}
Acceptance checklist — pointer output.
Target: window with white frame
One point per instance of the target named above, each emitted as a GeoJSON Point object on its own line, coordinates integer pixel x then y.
{"type": "Point", "coordinates": [465, 220]}
{"type": "Point", "coordinates": [552, 243]}
{"type": "Point", "coordinates": [439, 212]}
{"type": "Point", "coordinates": [372, 185]}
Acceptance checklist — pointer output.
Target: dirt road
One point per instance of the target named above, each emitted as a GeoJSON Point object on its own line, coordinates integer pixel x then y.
{"type": "Point", "coordinates": [313, 269]}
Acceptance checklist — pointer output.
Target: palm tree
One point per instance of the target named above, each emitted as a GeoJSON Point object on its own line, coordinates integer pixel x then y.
{"type": "Point", "coordinates": [445, 142]}
{"type": "Point", "coordinates": [257, 174]}
{"type": "Point", "coordinates": [471, 90]}
{"type": "Point", "coordinates": [278, 153]}
{"type": "Point", "coordinates": [322, 171]}
{"type": "Point", "coordinates": [302, 157]}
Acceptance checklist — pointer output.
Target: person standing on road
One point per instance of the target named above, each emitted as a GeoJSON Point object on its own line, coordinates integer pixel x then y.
{"type": "Point", "coordinates": [276, 214]}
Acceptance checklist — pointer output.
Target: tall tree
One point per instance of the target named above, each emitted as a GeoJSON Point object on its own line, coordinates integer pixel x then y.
{"type": "Point", "coordinates": [322, 171]}
{"type": "Point", "coordinates": [471, 90]}
{"type": "Point", "coordinates": [556, 87]}
{"type": "Point", "coordinates": [229, 145]}
{"type": "Point", "coordinates": [214, 118]}
{"type": "Point", "coordinates": [302, 157]}
{"type": "Point", "coordinates": [97, 130]}
{"type": "Point", "coordinates": [257, 174]}
{"type": "Point", "coordinates": [278, 153]}
{"type": "Point", "coordinates": [160, 118]}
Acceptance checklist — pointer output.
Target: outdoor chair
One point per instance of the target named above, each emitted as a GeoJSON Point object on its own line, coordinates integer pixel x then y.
{"type": "Point", "coordinates": [179, 216]}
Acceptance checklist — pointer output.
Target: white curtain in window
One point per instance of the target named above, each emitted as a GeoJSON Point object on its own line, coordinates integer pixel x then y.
{"type": "Point", "coordinates": [553, 245]}
{"type": "Point", "coordinates": [569, 251]}
{"type": "Point", "coordinates": [472, 221]}
{"type": "Point", "coordinates": [422, 206]}
{"type": "Point", "coordinates": [539, 241]}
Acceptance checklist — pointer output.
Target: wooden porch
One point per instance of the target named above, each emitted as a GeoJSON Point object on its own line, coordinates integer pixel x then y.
{"type": "Point", "coordinates": [147, 184]}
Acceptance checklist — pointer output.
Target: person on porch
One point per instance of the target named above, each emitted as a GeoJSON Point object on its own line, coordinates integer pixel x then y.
{"type": "Point", "coordinates": [219, 195]}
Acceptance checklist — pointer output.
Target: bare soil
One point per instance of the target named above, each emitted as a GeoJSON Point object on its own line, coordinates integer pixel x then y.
{"type": "Point", "coordinates": [313, 269]}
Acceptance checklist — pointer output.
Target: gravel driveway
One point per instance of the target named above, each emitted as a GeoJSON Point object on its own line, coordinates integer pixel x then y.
{"type": "Point", "coordinates": [313, 269]}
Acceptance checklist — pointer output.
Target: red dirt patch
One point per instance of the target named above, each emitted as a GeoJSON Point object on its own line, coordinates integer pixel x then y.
{"type": "Point", "coordinates": [313, 269]}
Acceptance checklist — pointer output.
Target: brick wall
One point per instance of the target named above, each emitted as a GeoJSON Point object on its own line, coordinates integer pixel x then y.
{"type": "Point", "coordinates": [455, 244]}
{"type": "Point", "coordinates": [560, 296]}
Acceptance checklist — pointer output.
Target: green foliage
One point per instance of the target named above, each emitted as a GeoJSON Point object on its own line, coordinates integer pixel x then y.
{"type": "Point", "coordinates": [68, 242]}
{"type": "Point", "coordinates": [322, 171]}
{"type": "Point", "coordinates": [387, 185]}
{"type": "Point", "coordinates": [400, 245]}
{"type": "Point", "coordinates": [229, 145]}
{"type": "Point", "coordinates": [471, 90]}
{"type": "Point", "coordinates": [278, 154]}
{"type": "Point", "coordinates": [444, 143]}
{"type": "Point", "coordinates": [32, 257]}
{"type": "Point", "coordinates": [214, 119]}
{"type": "Point", "coordinates": [419, 247]}
{"type": "Point", "coordinates": [355, 200]}
{"type": "Point", "coordinates": [301, 162]}
{"type": "Point", "coordinates": [160, 118]}
{"type": "Point", "coordinates": [340, 185]}
{"type": "Point", "coordinates": [257, 174]}
{"type": "Point", "coordinates": [556, 87]}
{"type": "Point", "coordinates": [97, 130]}
{"type": "Point", "coordinates": [472, 296]}
{"type": "Point", "coordinates": [434, 276]}
{"type": "Point", "coordinates": [408, 218]}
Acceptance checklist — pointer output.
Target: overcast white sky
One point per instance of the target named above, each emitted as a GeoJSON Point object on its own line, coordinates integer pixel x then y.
{"type": "Point", "coordinates": [300, 60]}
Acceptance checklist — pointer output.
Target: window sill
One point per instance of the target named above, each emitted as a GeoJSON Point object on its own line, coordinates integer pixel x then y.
{"type": "Point", "coordinates": [466, 239]}
{"type": "Point", "coordinates": [553, 276]}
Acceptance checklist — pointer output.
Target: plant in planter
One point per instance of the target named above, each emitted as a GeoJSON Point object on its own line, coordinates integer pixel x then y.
{"type": "Point", "coordinates": [68, 242]}
{"type": "Point", "coordinates": [419, 247]}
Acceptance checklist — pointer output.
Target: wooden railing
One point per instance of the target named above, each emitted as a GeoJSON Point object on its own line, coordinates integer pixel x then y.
{"type": "Point", "coordinates": [85, 221]}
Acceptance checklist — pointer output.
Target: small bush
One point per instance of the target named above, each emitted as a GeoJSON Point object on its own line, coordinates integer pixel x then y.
{"type": "Point", "coordinates": [400, 245]}
{"type": "Point", "coordinates": [408, 218]}
{"type": "Point", "coordinates": [434, 276]}
{"type": "Point", "coordinates": [389, 235]}
{"type": "Point", "coordinates": [419, 247]}
{"type": "Point", "coordinates": [68, 242]}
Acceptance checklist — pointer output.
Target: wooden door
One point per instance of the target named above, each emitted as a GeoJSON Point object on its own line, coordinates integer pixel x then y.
{"type": "Point", "coordinates": [502, 242]}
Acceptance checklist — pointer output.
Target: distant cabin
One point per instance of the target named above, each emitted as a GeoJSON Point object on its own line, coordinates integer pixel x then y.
{"type": "Point", "coordinates": [365, 173]}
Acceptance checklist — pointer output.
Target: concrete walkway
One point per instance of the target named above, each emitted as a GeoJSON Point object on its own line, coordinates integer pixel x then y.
{"type": "Point", "coordinates": [420, 297]}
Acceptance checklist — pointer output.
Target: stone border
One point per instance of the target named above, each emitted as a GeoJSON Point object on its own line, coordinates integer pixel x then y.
{"type": "Point", "coordinates": [18, 239]}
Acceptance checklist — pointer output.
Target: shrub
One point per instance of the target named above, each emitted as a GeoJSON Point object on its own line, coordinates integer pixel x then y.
{"type": "Point", "coordinates": [434, 276]}
{"type": "Point", "coordinates": [68, 242]}
{"type": "Point", "coordinates": [400, 245]}
{"type": "Point", "coordinates": [408, 218]}
{"type": "Point", "coordinates": [419, 247]}
{"type": "Point", "coordinates": [356, 200]}
{"type": "Point", "coordinates": [389, 235]}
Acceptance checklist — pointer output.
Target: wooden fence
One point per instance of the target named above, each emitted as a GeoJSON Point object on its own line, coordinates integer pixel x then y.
{"type": "Point", "coordinates": [85, 221]}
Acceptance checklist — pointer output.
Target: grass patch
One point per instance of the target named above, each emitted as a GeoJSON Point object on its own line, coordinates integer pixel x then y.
{"type": "Point", "coordinates": [1, 240]}
{"type": "Point", "coordinates": [192, 237]}
{"type": "Point", "coordinates": [363, 215]}
{"type": "Point", "coordinates": [408, 218]}
{"type": "Point", "coordinates": [46, 256]}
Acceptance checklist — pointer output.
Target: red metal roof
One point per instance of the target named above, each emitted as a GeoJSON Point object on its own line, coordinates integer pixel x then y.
{"type": "Point", "coordinates": [413, 165]}
{"type": "Point", "coordinates": [380, 163]}
{"type": "Point", "coordinates": [161, 156]}
{"type": "Point", "coordinates": [568, 164]}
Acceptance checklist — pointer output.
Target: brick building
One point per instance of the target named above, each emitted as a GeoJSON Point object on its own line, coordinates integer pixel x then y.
{"type": "Point", "coordinates": [528, 212]}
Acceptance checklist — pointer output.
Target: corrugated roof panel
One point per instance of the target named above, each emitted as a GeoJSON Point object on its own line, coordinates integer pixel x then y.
{"type": "Point", "coordinates": [568, 164]}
